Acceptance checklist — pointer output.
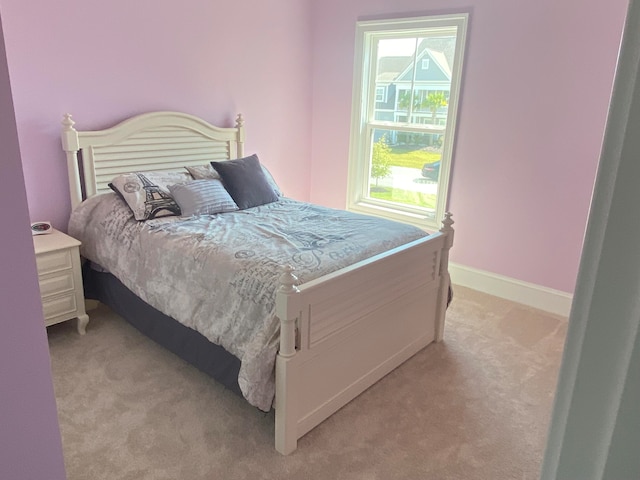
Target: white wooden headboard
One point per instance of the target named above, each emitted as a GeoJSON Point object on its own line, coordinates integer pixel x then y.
{"type": "Point", "coordinates": [151, 141]}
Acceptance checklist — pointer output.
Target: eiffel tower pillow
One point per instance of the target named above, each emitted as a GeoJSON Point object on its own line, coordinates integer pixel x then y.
{"type": "Point", "coordinates": [147, 193]}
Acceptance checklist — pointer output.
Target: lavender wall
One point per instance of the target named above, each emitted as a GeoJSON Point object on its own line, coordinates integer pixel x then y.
{"type": "Point", "coordinates": [104, 61]}
{"type": "Point", "coordinates": [30, 445]}
{"type": "Point", "coordinates": [536, 86]}
{"type": "Point", "coordinates": [534, 101]}
{"type": "Point", "coordinates": [533, 108]}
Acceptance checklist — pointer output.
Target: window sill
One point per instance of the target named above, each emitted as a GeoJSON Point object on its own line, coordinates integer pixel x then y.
{"type": "Point", "coordinates": [424, 221]}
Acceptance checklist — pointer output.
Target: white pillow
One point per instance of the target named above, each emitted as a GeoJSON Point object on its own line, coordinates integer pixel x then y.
{"type": "Point", "coordinates": [147, 193]}
{"type": "Point", "coordinates": [202, 197]}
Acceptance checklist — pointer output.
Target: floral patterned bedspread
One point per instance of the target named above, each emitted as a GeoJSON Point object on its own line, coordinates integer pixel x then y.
{"type": "Point", "coordinates": [218, 274]}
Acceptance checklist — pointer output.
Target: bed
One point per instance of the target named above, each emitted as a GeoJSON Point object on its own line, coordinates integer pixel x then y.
{"type": "Point", "coordinates": [329, 335]}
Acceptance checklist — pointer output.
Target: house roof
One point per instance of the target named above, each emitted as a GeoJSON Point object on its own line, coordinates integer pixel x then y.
{"type": "Point", "coordinates": [441, 60]}
{"type": "Point", "coordinates": [392, 68]}
{"type": "Point", "coordinates": [437, 57]}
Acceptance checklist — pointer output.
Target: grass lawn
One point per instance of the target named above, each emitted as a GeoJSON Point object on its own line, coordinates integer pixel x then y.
{"type": "Point", "coordinates": [404, 196]}
{"type": "Point", "coordinates": [410, 156]}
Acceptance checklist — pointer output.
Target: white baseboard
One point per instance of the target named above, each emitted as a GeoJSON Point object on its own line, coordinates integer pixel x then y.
{"type": "Point", "coordinates": [530, 294]}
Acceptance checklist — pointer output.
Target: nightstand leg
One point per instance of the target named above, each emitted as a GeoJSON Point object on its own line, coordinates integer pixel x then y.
{"type": "Point", "coordinates": [83, 320]}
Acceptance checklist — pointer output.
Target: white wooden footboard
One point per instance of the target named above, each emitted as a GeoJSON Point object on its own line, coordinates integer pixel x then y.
{"type": "Point", "coordinates": [343, 332]}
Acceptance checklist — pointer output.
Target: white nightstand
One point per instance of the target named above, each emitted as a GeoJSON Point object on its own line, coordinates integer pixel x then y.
{"type": "Point", "coordinates": [60, 278]}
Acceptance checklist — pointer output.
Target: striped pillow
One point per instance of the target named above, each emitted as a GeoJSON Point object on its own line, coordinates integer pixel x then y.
{"type": "Point", "coordinates": [202, 197]}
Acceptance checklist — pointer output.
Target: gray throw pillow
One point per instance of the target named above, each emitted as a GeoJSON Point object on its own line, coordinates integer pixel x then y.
{"type": "Point", "coordinates": [207, 171]}
{"type": "Point", "coordinates": [246, 182]}
{"type": "Point", "coordinates": [202, 197]}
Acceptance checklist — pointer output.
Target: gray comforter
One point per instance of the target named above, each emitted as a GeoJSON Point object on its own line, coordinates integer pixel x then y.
{"type": "Point", "coordinates": [218, 274]}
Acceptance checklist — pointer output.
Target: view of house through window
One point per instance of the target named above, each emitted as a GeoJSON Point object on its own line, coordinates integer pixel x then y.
{"type": "Point", "coordinates": [405, 99]}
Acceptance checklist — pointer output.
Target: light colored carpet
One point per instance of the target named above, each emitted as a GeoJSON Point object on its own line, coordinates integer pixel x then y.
{"type": "Point", "coordinates": [476, 406]}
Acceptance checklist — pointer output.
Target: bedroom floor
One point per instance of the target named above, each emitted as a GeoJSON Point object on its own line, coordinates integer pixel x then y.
{"type": "Point", "coordinates": [476, 406]}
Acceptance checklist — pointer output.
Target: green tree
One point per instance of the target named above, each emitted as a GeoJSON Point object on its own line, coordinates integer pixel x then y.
{"type": "Point", "coordinates": [405, 98]}
{"type": "Point", "coordinates": [433, 102]}
{"type": "Point", "coordinates": [381, 159]}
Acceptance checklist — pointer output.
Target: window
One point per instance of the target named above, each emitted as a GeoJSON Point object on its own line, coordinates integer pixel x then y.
{"type": "Point", "coordinates": [400, 155]}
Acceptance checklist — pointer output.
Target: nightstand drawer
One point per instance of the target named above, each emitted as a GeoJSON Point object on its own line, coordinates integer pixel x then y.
{"type": "Point", "coordinates": [54, 284]}
{"type": "Point", "coordinates": [53, 261]}
{"type": "Point", "coordinates": [62, 305]}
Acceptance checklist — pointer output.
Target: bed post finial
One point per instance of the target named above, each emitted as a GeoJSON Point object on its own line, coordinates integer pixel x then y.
{"type": "Point", "coordinates": [288, 281]}
{"type": "Point", "coordinates": [447, 228]}
{"type": "Point", "coordinates": [447, 221]}
{"type": "Point", "coordinates": [71, 145]}
{"type": "Point", "coordinates": [286, 312]}
{"type": "Point", "coordinates": [445, 278]}
{"type": "Point", "coordinates": [240, 136]}
{"type": "Point", "coordinates": [67, 123]}
{"type": "Point", "coordinates": [239, 121]}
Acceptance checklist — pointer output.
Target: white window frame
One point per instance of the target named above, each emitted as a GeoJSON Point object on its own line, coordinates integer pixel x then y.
{"type": "Point", "coordinates": [363, 124]}
{"type": "Point", "coordinates": [381, 94]}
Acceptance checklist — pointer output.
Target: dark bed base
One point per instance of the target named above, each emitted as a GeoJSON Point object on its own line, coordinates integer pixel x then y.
{"type": "Point", "coordinates": [185, 342]}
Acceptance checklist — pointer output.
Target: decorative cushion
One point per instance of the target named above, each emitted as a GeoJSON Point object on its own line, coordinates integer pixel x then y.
{"type": "Point", "coordinates": [207, 171]}
{"type": "Point", "coordinates": [272, 181]}
{"type": "Point", "coordinates": [246, 182]}
{"type": "Point", "coordinates": [200, 172]}
{"type": "Point", "coordinates": [147, 193]}
{"type": "Point", "coordinates": [202, 197]}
